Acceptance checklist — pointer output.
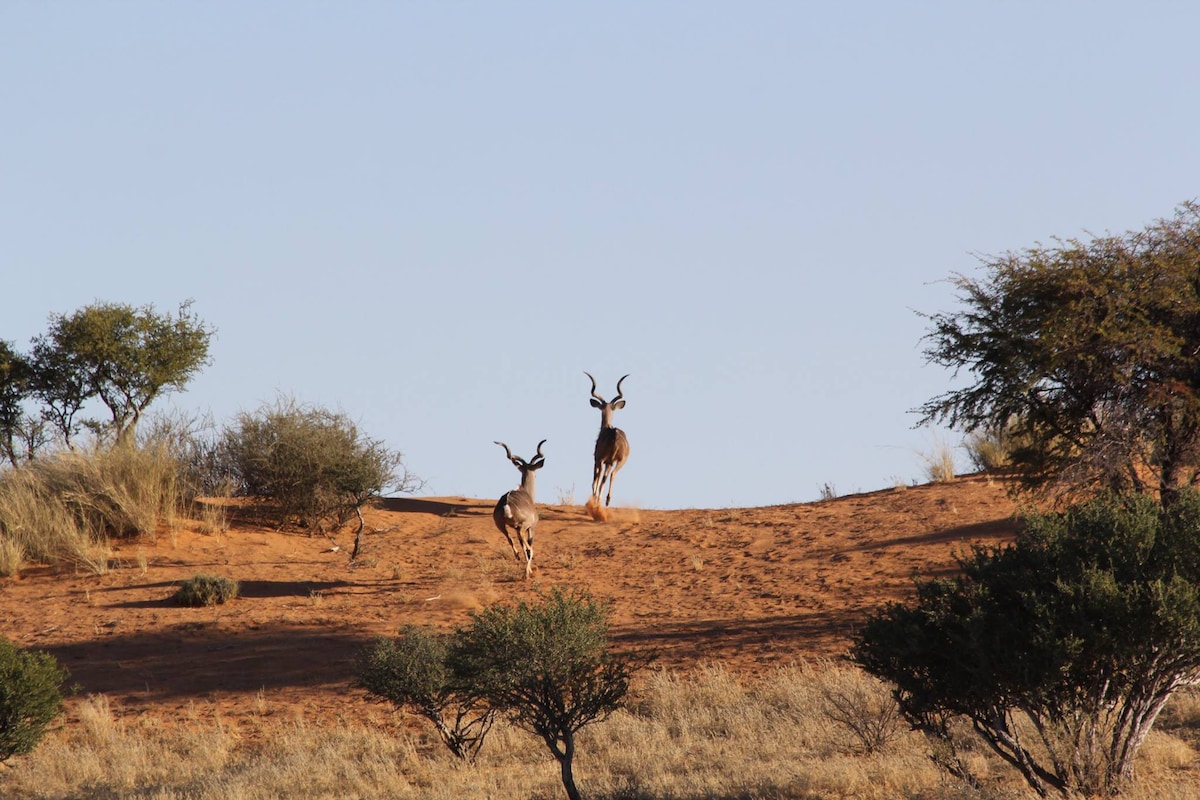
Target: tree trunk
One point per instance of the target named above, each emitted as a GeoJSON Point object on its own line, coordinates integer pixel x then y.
{"type": "Point", "coordinates": [358, 534]}
{"type": "Point", "coordinates": [1177, 469]}
{"type": "Point", "coordinates": [566, 758]}
{"type": "Point", "coordinates": [9, 450]}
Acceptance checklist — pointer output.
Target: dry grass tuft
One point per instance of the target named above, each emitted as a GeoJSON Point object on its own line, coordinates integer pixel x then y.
{"type": "Point", "coordinates": [939, 462]}
{"type": "Point", "coordinates": [63, 509]}
{"type": "Point", "coordinates": [212, 513]}
{"type": "Point", "coordinates": [12, 557]}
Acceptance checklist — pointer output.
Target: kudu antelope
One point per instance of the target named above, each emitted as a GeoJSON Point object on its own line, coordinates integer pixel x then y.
{"type": "Point", "coordinates": [517, 509]}
{"type": "Point", "coordinates": [612, 448]}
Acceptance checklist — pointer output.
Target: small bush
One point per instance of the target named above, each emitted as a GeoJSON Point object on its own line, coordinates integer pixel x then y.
{"type": "Point", "coordinates": [30, 697]}
{"type": "Point", "coordinates": [987, 452]}
{"type": "Point", "coordinates": [312, 463]}
{"type": "Point", "coordinates": [193, 443]}
{"type": "Point", "coordinates": [547, 666]}
{"type": "Point", "coordinates": [412, 671]}
{"type": "Point", "coordinates": [206, 590]}
{"type": "Point", "coordinates": [863, 706]}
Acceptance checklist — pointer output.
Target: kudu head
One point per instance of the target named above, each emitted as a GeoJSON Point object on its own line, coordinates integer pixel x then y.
{"type": "Point", "coordinates": [607, 407]}
{"type": "Point", "coordinates": [527, 468]}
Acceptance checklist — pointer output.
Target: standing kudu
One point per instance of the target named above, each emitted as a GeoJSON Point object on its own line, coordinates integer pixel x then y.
{"type": "Point", "coordinates": [517, 509]}
{"type": "Point", "coordinates": [612, 448]}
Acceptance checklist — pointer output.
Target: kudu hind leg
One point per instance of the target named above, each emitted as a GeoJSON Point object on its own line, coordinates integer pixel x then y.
{"type": "Point", "coordinates": [612, 478]}
{"type": "Point", "coordinates": [598, 476]}
{"type": "Point", "coordinates": [604, 476]}
{"type": "Point", "coordinates": [528, 544]}
{"type": "Point", "coordinates": [513, 545]}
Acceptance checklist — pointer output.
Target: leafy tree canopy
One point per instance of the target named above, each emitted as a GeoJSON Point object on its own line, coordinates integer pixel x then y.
{"type": "Point", "coordinates": [124, 356]}
{"type": "Point", "coordinates": [1087, 352]}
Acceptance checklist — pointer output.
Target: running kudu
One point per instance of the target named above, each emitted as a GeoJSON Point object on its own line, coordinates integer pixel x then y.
{"type": "Point", "coordinates": [517, 509]}
{"type": "Point", "coordinates": [612, 448]}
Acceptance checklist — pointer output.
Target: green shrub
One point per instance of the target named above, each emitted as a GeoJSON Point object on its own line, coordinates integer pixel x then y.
{"type": "Point", "coordinates": [312, 463]}
{"type": "Point", "coordinates": [206, 590]}
{"type": "Point", "coordinates": [1084, 627]}
{"type": "Point", "coordinates": [412, 671]}
{"type": "Point", "coordinates": [546, 665]}
{"type": "Point", "coordinates": [30, 697]}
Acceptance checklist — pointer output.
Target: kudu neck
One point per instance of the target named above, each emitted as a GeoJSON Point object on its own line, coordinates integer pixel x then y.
{"type": "Point", "coordinates": [528, 478]}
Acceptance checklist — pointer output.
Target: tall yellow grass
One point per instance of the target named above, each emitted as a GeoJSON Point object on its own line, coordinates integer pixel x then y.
{"type": "Point", "coordinates": [63, 509]}
{"type": "Point", "coordinates": [698, 735]}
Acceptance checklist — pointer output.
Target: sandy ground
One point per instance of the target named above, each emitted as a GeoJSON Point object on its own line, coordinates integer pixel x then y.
{"type": "Point", "coordinates": [751, 587]}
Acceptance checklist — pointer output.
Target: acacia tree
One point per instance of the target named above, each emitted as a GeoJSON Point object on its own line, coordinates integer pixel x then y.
{"type": "Point", "coordinates": [1060, 649]}
{"type": "Point", "coordinates": [1086, 352]}
{"type": "Point", "coordinates": [546, 665]}
{"type": "Point", "coordinates": [124, 356]}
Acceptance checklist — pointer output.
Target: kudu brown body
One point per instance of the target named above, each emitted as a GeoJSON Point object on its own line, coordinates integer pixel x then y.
{"type": "Point", "coordinates": [612, 448]}
{"type": "Point", "coordinates": [517, 508]}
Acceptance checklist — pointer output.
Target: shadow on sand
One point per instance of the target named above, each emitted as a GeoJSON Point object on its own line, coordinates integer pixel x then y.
{"type": "Point", "coordinates": [438, 508]}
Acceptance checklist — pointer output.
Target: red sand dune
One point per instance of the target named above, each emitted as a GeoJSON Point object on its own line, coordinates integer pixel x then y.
{"type": "Point", "coordinates": [750, 587]}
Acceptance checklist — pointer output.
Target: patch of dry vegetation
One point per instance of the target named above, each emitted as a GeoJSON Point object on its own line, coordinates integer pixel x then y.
{"type": "Point", "coordinates": [691, 735]}
{"type": "Point", "coordinates": [63, 509]}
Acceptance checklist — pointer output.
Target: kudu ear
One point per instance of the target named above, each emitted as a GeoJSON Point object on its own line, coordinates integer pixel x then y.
{"type": "Point", "coordinates": [619, 404]}
{"type": "Point", "coordinates": [596, 403]}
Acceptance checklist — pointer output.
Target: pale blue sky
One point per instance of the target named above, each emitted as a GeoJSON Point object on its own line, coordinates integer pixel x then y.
{"type": "Point", "coordinates": [435, 216]}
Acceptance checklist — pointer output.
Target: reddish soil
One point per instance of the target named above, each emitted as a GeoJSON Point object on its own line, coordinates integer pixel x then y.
{"type": "Point", "coordinates": [749, 587]}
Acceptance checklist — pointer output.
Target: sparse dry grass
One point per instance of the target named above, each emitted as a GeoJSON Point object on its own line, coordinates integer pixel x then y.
{"type": "Point", "coordinates": [212, 513]}
{"type": "Point", "coordinates": [703, 735]}
{"type": "Point", "coordinates": [939, 462]}
{"type": "Point", "coordinates": [12, 557]}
